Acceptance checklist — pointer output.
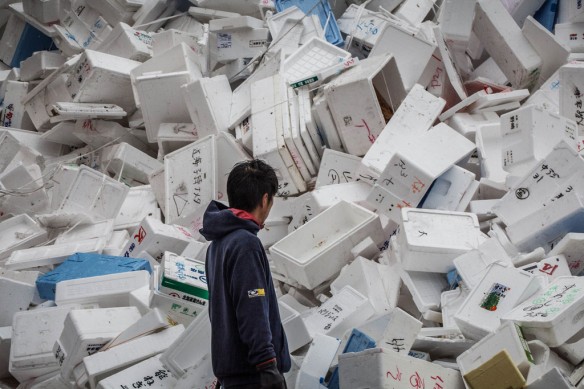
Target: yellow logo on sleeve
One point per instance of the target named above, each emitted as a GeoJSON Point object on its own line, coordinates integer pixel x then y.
{"type": "Point", "coordinates": [256, 293]}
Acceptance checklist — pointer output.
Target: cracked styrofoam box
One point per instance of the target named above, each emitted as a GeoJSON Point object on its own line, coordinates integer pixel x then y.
{"type": "Point", "coordinates": [381, 367]}
{"type": "Point", "coordinates": [501, 289]}
{"type": "Point", "coordinates": [326, 242]}
{"type": "Point", "coordinates": [429, 240]}
{"type": "Point", "coordinates": [553, 315]}
{"type": "Point", "coordinates": [86, 331]}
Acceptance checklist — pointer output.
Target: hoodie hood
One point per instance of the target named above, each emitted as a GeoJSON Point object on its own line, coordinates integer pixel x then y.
{"type": "Point", "coordinates": [219, 221]}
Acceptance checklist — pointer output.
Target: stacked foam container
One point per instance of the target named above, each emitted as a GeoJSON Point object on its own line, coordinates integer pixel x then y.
{"type": "Point", "coordinates": [428, 230]}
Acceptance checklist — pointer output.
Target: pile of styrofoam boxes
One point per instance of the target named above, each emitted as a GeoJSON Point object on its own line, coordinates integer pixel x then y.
{"type": "Point", "coordinates": [428, 229]}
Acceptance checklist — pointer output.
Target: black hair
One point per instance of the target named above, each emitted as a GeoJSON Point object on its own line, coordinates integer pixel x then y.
{"type": "Point", "coordinates": [247, 183]}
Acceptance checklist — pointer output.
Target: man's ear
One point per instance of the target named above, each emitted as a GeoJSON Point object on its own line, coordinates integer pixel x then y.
{"type": "Point", "coordinates": [265, 200]}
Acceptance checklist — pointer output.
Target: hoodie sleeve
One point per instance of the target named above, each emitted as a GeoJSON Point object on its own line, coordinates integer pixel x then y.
{"type": "Point", "coordinates": [249, 291]}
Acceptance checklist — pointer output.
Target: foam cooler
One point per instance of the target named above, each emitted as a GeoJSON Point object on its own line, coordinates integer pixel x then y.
{"type": "Point", "coordinates": [555, 315]}
{"type": "Point", "coordinates": [319, 249]}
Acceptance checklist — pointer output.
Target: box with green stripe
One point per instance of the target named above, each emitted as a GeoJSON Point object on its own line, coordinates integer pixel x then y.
{"type": "Point", "coordinates": [184, 278]}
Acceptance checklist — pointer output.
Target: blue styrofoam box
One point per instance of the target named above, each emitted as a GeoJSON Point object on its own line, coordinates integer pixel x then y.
{"type": "Point", "coordinates": [358, 341]}
{"type": "Point", "coordinates": [547, 14]}
{"type": "Point", "coordinates": [83, 265]}
{"type": "Point", "coordinates": [322, 9]}
{"type": "Point", "coordinates": [31, 40]}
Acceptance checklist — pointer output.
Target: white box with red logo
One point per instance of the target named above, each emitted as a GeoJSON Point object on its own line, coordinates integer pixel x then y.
{"type": "Point", "coordinates": [155, 237]}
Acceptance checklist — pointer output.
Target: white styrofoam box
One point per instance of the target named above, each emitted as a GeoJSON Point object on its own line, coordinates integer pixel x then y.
{"type": "Point", "coordinates": [33, 335]}
{"type": "Point", "coordinates": [274, 230]}
{"type": "Point", "coordinates": [412, 54]}
{"type": "Point", "coordinates": [152, 321]}
{"type": "Point", "coordinates": [552, 316]}
{"type": "Point", "coordinates": [571, 248]}
{"type": "Point", "coordinates": [177, 311]}
{"type": "Point", "coordinates": [152, 14]}
{"type": "Point", "coordinates": [552, 52]}
{"type": "Point", "coordinates": [531, 133]}
{"type": "Point", "coordinates": [102, 78]}
{"type": "Point", "coordinates": [545, 360]}
{"type": "Point", "coordinates": [313, 203]}
{"type": "Point", "coordinates": [360, 121]}
{"type": "Point", "coordinates": [160, 101]}
{"type": "Point", "coordinates": [414, 11]}
{"type": "Point", "coordinates": [101, 365]}
{"type": "Point", "coordinates": [16, 297]}
{"type": "Point", "coordinates": [116, 243]}
{"type": "Point", "coordinates": [411, 171]}
{"type": "Point", "coordinates": [383, 368]}
{"type": "Point", "coordinates": [126, 42]}
{"type": "Point", "coordinates": [469, 123]}
{"type": "Point", "coordinates": [40, 64]}
{"type": "Point", "coordinates": [86, 331]}
{"type": "Point", "coordinates": [13, 113]}
{"type": "Point", "coordinates": [45, 11]}
{"type": "Point", "coordinates": [553, 378]}
{"type": "Point", "coordinates": [164, 40]}
{"type": "Point", "coordinates": [207, 101]}
{"type": "Point", "coordinates": [327, 240]}
{"type": "Point", "coordinates": [455, 20]}
{"type": "Point", "coordinates": [450, 302]}
{"type": "Point", "coordinates": [114, 11]}
{"type": "Point", "coordinates": [413, 117]}
{"type": "Point", "coordinates": [111, 290]}
{"type": "Point", "coordinates": [489, 145]}
{"type": "Point", "coordinates": [343, 311]}
{"type": "Point", "coordinates": [570, 34]}
{"type": "Point", "coordinates": [464, 104]}
{"type": "Point", "coordinates": [425, 288]}
{"type": "Point", "coordinates": [293, 136]}
{"type": "Point", "coordinates": [325, 123]}
{"type": "Point", "coordinates": [102, 133]}
{"type": "Point", "coordinates": [37, 142]}
{"type": "Point", "coordinates": [13, 151]}
{"type": "Point", "coordinates": [103, 229]}
{"type": "Point", "coordinates": [199, 376]}
{"type": "Point", "coordinates": [78, 111]}
{"type": "Point", "coordinates": [364, 276]}
{"type": "Point", "coordinates": [156, 237]}
{"type": "Point", "coordinates": [499, 101]}
{"type": "Point", "coordinates": [184, 279]}
{"type": "Point", "coordinates": [571, 87]}
{"type": "Point", "coordinates": [296, 332]}
{"type": "Point", "coordinates": [551, 267]}
{"type": "Point", "coordinates": [177, 59]}
{"type": "Point", "coordinates": [269, 144]}
{"type": "Point", "coordinates": [556, 171]}
{"type": "Point", "coordinates": [506, 44]}
{"type": "Point", "coordinates": [290, 28]}
{"type": "Point", "coordinates": [501, 289]}
{"type": "Point", "coordinates": [308, 130]}
{"type": "Point", "coordinates": [95, 194]}
{"type": "Point", "coordinates": [237, 37]}
{"type": "Point", "coordinates": [52, 254]}
{"type": "Point", "coordinates": [317, 361]}
{"type": "Point", "coordinates": [363, 25]}
{"type": "Point", "coordinates": [181, 356]}
{"type": "Point", "coordinates": [140, 298]}
{"type": "Point", "coordinates": [429, 240]}
{"type": "Point", "coordinates": [509, 337]}
{"type": "Point", "coordinates": [313, 56]}
{"type": "Point", "coordinates": [337, 167]}
{"type": "Point", "coordinates": [173, 136]}
{"type": "Point", "coordinates": [140, 202]}
{"type": "Point", "coordinates": [150, 372]}
{"type": "Point", "coordinates": [399, 333]}
{"type": "Point", "coordinates": [450, 189]}
{"type": "Point", "coordinates": [472, 265]}
{"type": "Point", "coordinates": [19, 232]}
{"type": "Point", "coordinates": [241, 99]}
{"type": "Point", "coordinates": [10, 38]}
{"type": "Point", "coordinates": [129, 162]}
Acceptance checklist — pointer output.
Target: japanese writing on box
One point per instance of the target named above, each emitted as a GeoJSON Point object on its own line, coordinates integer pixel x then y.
{"type": "Point", "coordinates": [579, 114]}
{"type": "Point", "coordinates": [331, 314]}
{"type": "Point", "coordinates": [414, 380]}
{"type": "Point", "coordinates": [148, 380]}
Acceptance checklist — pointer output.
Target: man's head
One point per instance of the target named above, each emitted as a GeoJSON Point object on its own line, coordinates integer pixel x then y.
{"type": "Point", "coordinates": [251, 186]}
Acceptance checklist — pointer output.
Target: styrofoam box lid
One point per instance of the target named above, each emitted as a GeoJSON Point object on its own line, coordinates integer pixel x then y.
{"type": "Point", "coordinates": [323, 232]}
{"type": "Point", "coordinates": [557, 303]}
{"type": "Point", "coordinates": [452, 231]}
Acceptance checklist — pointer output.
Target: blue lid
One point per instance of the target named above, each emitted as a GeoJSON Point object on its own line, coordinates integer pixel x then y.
{"type": "Point", "coordinates": [323, 10]}
{"type": "Point", "coordinates": [81, 265]}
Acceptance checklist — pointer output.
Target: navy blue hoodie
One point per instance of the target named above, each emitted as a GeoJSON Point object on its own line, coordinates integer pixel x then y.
{"type": "Point", "coordinates": [243, 307]}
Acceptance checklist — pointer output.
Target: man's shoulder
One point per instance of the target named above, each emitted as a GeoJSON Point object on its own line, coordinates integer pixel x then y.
{"type": "Point", "coordinates": [242, 238]}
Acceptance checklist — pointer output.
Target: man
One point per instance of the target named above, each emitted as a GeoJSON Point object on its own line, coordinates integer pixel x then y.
{"type": "Point", "coordinates": [248, 344]}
